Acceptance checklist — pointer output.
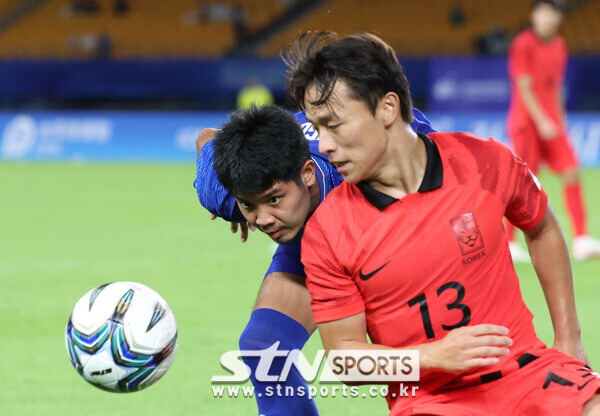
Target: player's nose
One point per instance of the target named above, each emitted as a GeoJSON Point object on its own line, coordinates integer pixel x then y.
{"type": "Point", "coordinates": [264, 218]}
{"type": "Point", "coordinates": [326, 143]}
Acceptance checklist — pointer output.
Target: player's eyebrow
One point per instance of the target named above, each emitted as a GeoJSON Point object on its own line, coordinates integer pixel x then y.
{"type": "Point", "coordinates": [270, 194]}
{"type": "Point", "coordinates": [321, 120]}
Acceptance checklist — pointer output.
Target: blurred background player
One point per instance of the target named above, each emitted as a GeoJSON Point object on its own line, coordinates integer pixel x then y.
{"type": "Point", "coordinates": [264, 166]}
{"type": "Point", "coordinates": [536, 122]}
{"type": "Point", "coordinates": [254, 92]}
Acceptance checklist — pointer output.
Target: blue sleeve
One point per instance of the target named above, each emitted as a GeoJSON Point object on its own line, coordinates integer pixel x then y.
{"type": "Point", "coordinates": [211, 194]}
{"type": "Point", "coordinates": [287, 258]}
{"type": "Point", "coordinates": [420, 123]}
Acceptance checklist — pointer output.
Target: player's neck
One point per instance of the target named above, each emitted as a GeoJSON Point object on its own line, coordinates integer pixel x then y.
{"type": "Point", "coordinates": [544, 39]}
{"type": "Point", "coordinates": [403, 169]}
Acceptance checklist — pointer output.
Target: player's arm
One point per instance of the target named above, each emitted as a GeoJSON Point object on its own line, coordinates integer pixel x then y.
{"type": "Point", "coordinates": [550, 258]}
{"type": "Point", "coordinates": [528, 208]}
{"type": "Point", "coordinates": [211, 194]}
{"type": "Point", "coordinates": [546, 127]}
{"type": "Point", "coordinates": [460, 350]}
{"type": "Point", "coordinates": [561, 102]}
{"type": "Point", "coordinates": [203, 138]}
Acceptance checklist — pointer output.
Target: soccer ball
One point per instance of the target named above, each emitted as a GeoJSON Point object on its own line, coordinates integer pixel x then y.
{"type": "Point", "coordinates": [121, 336]}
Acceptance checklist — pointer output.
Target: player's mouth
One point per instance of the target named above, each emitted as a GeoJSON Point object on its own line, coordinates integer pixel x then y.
{"type": "Point", "coordinates": [340, 166]}
{"type": "Point", "coordinates": [274, 234]}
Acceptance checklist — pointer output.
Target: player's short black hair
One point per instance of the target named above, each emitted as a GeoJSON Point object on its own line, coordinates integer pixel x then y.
{"type": "Point", "coordinates": [556, 4]}
{"type": "Point", "coordinates": [367, 65]}
{"type": "Point", "coordinates": [257, 147]}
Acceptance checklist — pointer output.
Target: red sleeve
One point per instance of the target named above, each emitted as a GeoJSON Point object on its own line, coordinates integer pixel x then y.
{"type": "Point", "coordinates": [333, 292]}
{"type": "Point", "coordinates": [520, 57]}
{"type": "Point", "coordinates": [565, 58]}
{"type": "Point", "coordinates": [526, 200]}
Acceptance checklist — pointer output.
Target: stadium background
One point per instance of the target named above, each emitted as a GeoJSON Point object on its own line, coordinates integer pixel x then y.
{"type": "Point", "coordinates": [100, 105]}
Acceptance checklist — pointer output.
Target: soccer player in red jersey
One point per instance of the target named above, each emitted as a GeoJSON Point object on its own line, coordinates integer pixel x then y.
{"type": "Point", "coordinates": [537, 62]}
{"type": "Point", "coordinates": [411, 249]}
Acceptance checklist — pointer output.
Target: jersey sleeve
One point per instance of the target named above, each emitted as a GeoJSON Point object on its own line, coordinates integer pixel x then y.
{"type": "Point", "coordinates": [420, 123]}
{"type": "Point", "coordinates": [565, 58]}
{"type": "Point", "coordinates": [211, 194]}
{"type": "Point", "coordinates": [334, 294]}
{"type": "Point", "coordinates": [287, 258]}
{"type": "Point", "coordinates": [526, 200]}
{"type": "Point", "coordinates": [520, 58]}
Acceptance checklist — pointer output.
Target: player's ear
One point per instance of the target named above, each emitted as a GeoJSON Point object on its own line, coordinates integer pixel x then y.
{"type": "Point", "coordinates": [389, 108]}
{"type": "Point", "coordinates": [308, 173]}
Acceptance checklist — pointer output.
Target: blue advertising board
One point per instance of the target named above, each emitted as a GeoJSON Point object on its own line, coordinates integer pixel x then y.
{"type": "Point", "coordinates": [584, 129]}
{"type": "Point", "coordinates": [448, 83]}
{"type": "Point", "coordinates": [103, 136]}
{"type": "Point", "coordinates": [169, 137]}
{"type": "Point", "coordinates": [481, 84]}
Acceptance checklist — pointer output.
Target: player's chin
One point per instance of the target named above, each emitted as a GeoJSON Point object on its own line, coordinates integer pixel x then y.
{"type": "Point", "coordinates": [352, 177]}
{"type": "Point", "coordinates": [284, 236]}
{"type": "Point", "coordinates": [282, 239]}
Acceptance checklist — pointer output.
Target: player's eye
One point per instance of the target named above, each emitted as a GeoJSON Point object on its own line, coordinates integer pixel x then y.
{"type": "Point", "coordinates": [333, 126]}
{"type": "Point", "coordinates": [244, 204]}
{"type": "Point", "coordinates": [274, 199]}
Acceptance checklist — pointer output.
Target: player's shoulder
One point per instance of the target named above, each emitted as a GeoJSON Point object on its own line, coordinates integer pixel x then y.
{"type": "Point", "coordinates": [309, 131]}
{"type": "Point", "coordinates": [561, 42]}
{"type": "Point", "coordinates": [524, 39]}
{"type": "Point", "coordinates": [450, 138]}
{"type": "Point", "coordinates": [339, 194]}
{"type": "Point", "coordinates": [334, 209]}
{"type": "Point", "coordinates": [467, 148]}
{"type": "Point", "coordinates": [526, 35]}
{"type": "Point", "coordinates": [311, 135]}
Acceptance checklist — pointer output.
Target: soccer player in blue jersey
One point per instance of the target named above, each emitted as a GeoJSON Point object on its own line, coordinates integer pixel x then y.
{"type": "Point", "coordinates": [264, 167]}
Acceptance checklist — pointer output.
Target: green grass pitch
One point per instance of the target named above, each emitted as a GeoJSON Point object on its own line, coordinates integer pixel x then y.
{"type": "Point", "coordinates": [65, 229]}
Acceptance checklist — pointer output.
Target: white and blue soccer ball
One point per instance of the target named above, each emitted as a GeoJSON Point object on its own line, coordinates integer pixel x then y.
{"type": "Point", "coordinates": [121, 336]}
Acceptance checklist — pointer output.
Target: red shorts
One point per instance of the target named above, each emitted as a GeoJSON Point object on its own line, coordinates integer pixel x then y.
{"type": "Point", "coordinates": [552, 384]}
{"type": "Point", "coordinates": [530, 147]}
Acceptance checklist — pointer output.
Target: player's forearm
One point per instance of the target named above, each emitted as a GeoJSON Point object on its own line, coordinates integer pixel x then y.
{"type": "Point", "coordinates": [462, 349]}
{"type": "Point", "coordinates": [560, 103]}
{"type": "Point", "coordinates": [534, 109]}
{"type": "Point", "coordinates": [551, 261]}
{"type": "Point", "coordinates": [426, 361]}
{"type": "Point", "coordinates": [351, 334]}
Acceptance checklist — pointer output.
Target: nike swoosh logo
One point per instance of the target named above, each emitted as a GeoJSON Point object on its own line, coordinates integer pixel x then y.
{"type": "Point", "coordinates": [585, 384]}
{"type": "Point", "coordinates": [369, 275]}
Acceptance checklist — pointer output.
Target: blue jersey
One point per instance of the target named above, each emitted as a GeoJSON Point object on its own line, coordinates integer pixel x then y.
{"type": "Point", "coordinates": [216, 199]}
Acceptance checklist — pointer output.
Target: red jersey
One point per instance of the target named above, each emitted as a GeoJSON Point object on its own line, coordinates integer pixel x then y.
{"type": "Point", "coordinates": [431, 261]}
{"type": "Point", "coordinates": [546, 63]}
